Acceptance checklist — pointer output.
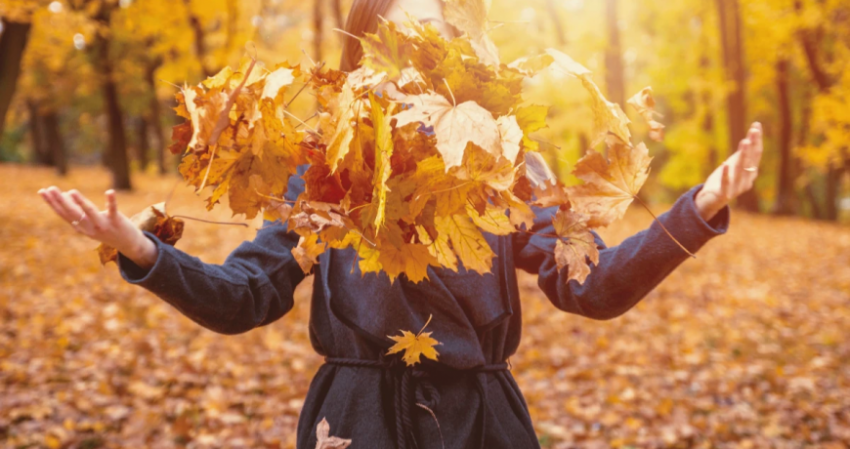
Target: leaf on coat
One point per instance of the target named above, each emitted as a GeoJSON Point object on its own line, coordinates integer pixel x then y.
{"type": "Point", "coordinates": [414, 346]}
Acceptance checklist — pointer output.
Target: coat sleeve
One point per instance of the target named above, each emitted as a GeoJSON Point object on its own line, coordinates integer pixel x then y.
{"type": "Point", "coordinates": [626, 272]}
{"type": "Point", "coordinates": [253, 287]}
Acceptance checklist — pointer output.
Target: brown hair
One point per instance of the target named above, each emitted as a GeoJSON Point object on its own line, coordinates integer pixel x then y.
{"type": "Point", "coordinates": [362, 19]}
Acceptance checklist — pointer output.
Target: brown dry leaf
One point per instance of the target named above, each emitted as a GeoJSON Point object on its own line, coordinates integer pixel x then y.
{"type": "Point", "coordinates": [644, 104]}
{"type": "Point", "coordinates": [610, 186]}
{"type": "Point", "coordinates": [324, 441]}
{"type": "Point", "coordinates": [575, 244]}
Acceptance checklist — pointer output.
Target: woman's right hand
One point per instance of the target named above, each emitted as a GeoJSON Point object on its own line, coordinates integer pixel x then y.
{"type": "Point", "coordinates": [109, 227]}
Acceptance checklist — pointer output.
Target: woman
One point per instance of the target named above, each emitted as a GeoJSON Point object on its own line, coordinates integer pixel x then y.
{"type": "Point", "coordinates": [469, 398]}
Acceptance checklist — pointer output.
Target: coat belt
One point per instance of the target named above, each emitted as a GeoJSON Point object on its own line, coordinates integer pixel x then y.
{"type": "Point", "coordinates": [412, 386]}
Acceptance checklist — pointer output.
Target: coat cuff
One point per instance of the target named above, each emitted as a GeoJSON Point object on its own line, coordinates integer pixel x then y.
{"type": "Point", "coordinates": [137, 275]}
{"type": "Point", "coordinates": [689, 227]}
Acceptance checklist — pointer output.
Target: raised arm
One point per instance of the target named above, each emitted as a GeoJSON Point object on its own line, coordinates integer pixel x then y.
{"type": "Point", "coordinates": [253, 287]}
{"type": "Point", "coordinates": [627, 272]}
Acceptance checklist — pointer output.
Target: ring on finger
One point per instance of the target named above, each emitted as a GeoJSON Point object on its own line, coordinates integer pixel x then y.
{"type": "Point", "coordinates": [76, 223]}
{"type": "Point", "coordinates": [751, 169]}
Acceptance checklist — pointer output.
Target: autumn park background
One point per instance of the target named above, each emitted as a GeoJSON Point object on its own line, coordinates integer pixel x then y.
{"type": "Point", "coordinates": [743, 347]}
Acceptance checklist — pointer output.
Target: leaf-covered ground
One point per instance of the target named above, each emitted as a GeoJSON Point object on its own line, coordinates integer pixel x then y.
{"type": "Point", "coordinates": [745, 346]}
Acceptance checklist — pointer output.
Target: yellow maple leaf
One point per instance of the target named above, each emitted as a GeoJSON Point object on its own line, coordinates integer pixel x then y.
{"type": "Point", "coordinates": [493, 220]}
{"type": "Point", "coordinates": [411, 259]}
{"type": "Point", "coordinates": [467, 241]}
{"type": "Point", "coordinates": [308, 251]}
{"type": "Point", "coordinates": [383, 153]}
{"type": "Point", "coordinates": [347, 108]}
{"type": "Point", "coordinates": [386, 51]}
{"type": "Point", "coordinates": [415, 346]}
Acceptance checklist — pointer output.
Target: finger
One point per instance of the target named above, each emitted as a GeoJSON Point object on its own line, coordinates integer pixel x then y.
{"type": "Point", "coordinates": [753, 156]}
{"type": "Point", "coordinates": [758, 146]}
{"type": "Point", "coordinates": [69, 210]}
{"type": "Point", "coordinates": [725, 187]}
{"type": "Point", "coordinates": [111, 204]}
{"type": "Point", "coordinates": [92, 214]}
{"type": "Point", "coordinates": [58, 209]}
{"type": "Point", "coordinates": [738, 169]}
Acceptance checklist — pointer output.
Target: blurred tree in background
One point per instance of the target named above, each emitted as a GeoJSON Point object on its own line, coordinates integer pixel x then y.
{"type": "Point", "coordinates": [92, 81]}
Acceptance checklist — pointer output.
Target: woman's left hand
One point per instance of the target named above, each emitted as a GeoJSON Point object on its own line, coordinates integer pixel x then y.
{"type": "Point", "coordinates": [734, 177]}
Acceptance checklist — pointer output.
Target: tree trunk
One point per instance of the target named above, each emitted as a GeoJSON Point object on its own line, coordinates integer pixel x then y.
{"type": "Point", "coordinates": [708, 121]}
{"type": "Point", "coordinates": [833, 185]}
{"type": "Point", "coordinates": [55, 144]}
{"type": "Point", "coordinates": [200, 39]}
{"type": "Point", "coordinates": [556, 21]}
{"type": "Point", "coordinates": [41, 153]}
{"type": "Point", "coordinates": [614, 77]}
{"type": "Point", "coordinates": [318, 26]}
{"type": "Point", "coordinates": [154, 117]}
{"type": "Point", "coordinates": [13, 41]}
{"type": "Point", "coordinates": [808, 194]}
{"type": "Point", "coordinates": [118, 160]}
{"type": "Point", "coordinates": [142, 143]}
{"type": "Point", "coordinates": [785, 176]}
{"type": "Point", "coordinates": [736, 102]}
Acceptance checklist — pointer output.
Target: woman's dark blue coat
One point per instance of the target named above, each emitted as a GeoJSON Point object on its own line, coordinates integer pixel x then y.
{"type": "Point", "coordinates": [372, 398]}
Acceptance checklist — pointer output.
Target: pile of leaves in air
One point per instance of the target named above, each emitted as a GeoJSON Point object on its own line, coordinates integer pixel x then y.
{"type": "Point", "coordinates": [414, 156]}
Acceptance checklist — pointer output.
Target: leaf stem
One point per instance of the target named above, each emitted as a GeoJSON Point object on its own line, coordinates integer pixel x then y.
{"type": "Point", "coordinates": [286, 106]}
{"type": "Point", "coordinates": [426, 325]}
{"type": "Point", "coordinates": [338, 30]}
{"type": "Point", "coordinates": [307, 120]}
{"type": "Point", "coordinates": [233, 223]}
{"type": "Point", "coordinates": [663, 227]}
{"type": "Point", "coordinates": [454, 101]}
{"type": "Point", "coordinates": [300, 121]}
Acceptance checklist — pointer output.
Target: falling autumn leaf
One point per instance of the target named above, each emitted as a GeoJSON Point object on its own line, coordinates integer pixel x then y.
{"type": "Point", "coordinates": [308, 251]}
{"type": "Point", "coordinates": [610, 185]}
{"type": "Point", "coordinates": [608, 116]}
{"type": "Point", "coordinates": [412, 157]}
{"type": "Point", "coordinates": [644, 104]}
{"type": "Point", "coordinates": [324, 441]}
{"type": "Point", "coordinates": [454, 125]}
{"type": "Point", "coordinates": [575, 244]}
{"type": "Point", "coordinates": [415, 346]}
